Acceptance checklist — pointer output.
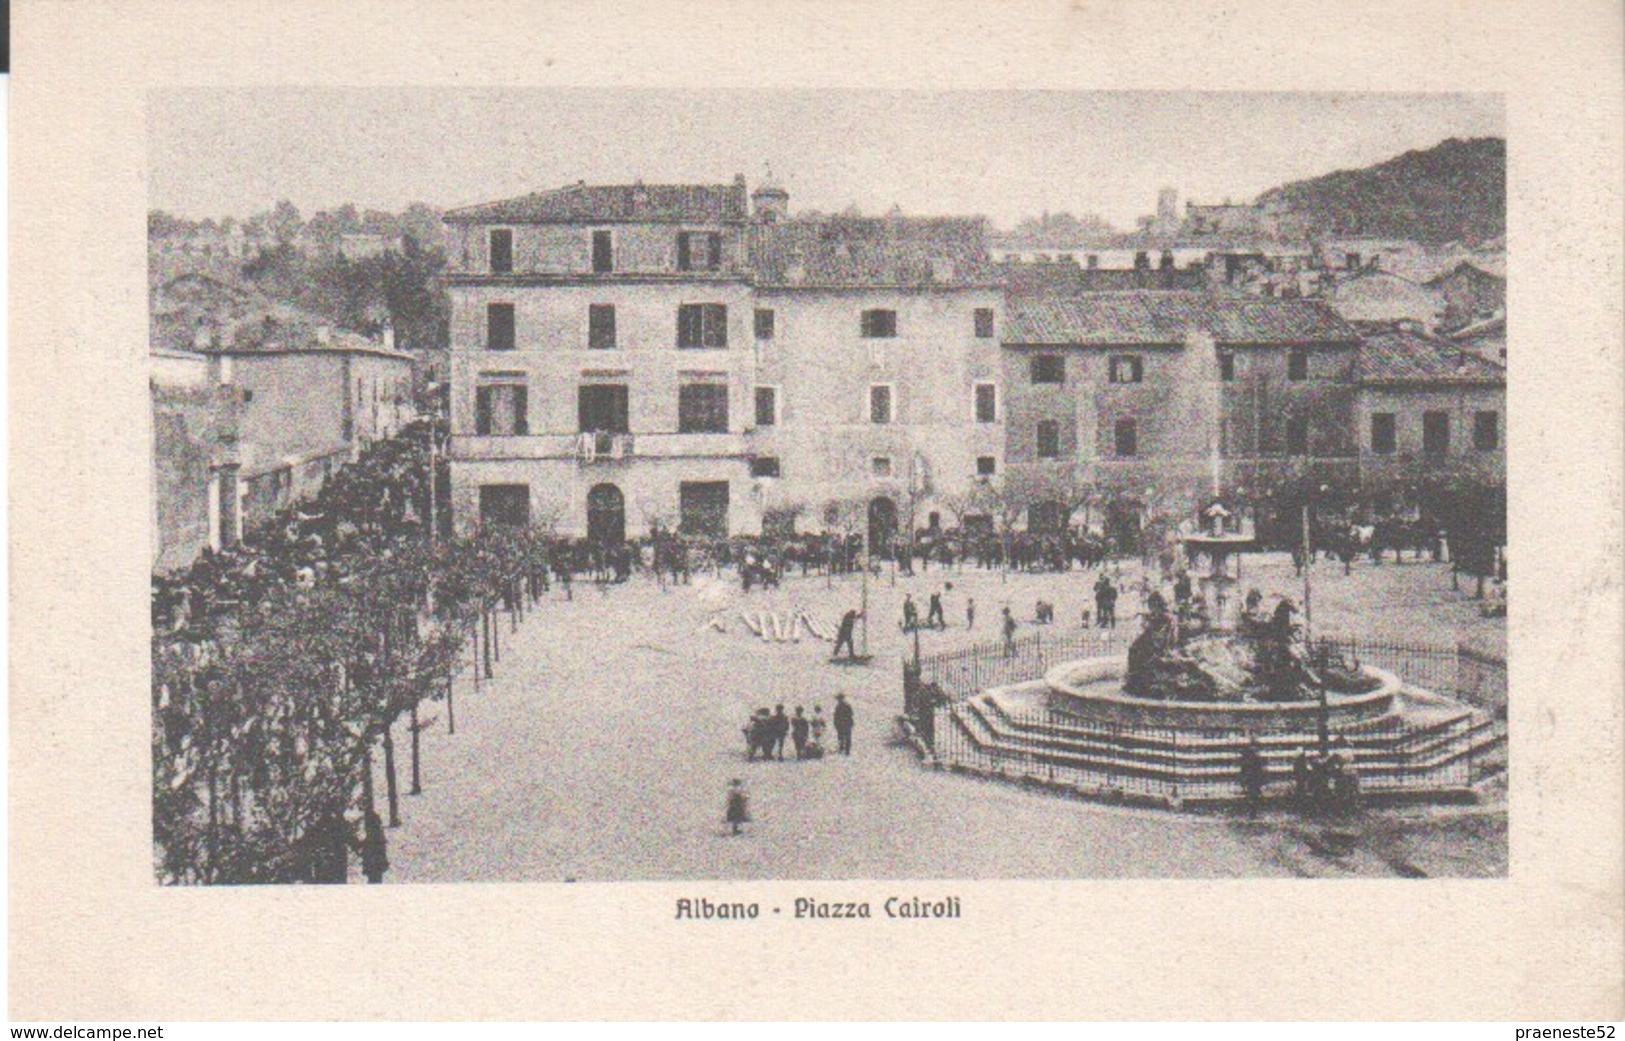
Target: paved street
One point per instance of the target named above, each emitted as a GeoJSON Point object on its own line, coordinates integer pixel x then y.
{"type": "Point", "coordinates": [603, 748]}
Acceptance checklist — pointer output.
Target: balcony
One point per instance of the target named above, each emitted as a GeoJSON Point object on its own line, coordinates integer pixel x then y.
{"type": "Point", "coordinates": [599, 448]}
{"type": "Point", "coordinates": [603, 447]}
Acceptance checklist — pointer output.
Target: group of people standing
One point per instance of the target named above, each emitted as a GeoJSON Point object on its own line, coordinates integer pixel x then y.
{"type": "Point", "coordinates": [766, 732]}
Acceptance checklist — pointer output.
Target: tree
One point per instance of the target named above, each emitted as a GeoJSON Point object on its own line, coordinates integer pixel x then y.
{"type": "Point", "coordinates": [284, 222]}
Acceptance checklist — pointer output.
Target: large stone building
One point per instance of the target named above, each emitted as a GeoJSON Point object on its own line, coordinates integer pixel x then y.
{"type": "Point", "coordinates": [603, 358]}
{"type": "Point", "coordinates": [632, 355]}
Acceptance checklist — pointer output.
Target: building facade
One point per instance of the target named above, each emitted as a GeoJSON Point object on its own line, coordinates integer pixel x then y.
{"type": "Point", "coordinates": [1153, 401]}
{"type": "Point", "coordinates": [633, 356]}
{"type": "Point", "coordinates": [628, 358]}
{"type": "Point", "coordinates": [1428, 409]}
{"type": "Point", "coordinates": [603, 361]}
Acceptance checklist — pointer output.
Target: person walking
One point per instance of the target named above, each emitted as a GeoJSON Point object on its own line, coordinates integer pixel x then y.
{"type": "Point", "coordinates": [970, 612]}
{"type": "Point", "coordinates": [1253, 773]}
{"type": "Point", "coordinates": [934, 616]}
{"type": "Point", "coordinates": [374, 848]}
{"type": "Point", "coordinates": [843, 724]}
{"type": "Point", "coordinates": [800, 727]}
{"type": "Point", "coordinates": [1009, 633]}
{"type": "Point", "coordinates": [781, 730]}
{"type": "Point", "coordinates": [911, 614]}
{"type": "Point", "coordinates": [1105, 602]}
{"type": "Point", "coordinates": [843, 636]}
{"type": "Point", "coordinates": [738, 811]}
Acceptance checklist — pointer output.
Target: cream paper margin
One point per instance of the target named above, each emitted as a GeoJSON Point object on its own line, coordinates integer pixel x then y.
{"type": "Point", "coordinates": [93, 938]}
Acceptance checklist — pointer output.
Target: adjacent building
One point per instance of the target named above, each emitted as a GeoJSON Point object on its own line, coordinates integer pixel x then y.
{"type": "Point", "coordinates": [1427, 407]}
{"type": "Point", "coordinates": [254, 404]}
{"type": "Point", "coordinates": [1151, 397]}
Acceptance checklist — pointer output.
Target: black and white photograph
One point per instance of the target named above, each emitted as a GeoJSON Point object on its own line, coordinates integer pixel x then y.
{"type": "Point", "coordinates": [615, 485]}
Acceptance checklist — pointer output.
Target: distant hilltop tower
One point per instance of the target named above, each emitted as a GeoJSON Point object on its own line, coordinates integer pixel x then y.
{"type": "Point", "coordinates": [1168, 208]}
{"type": "Point", "coordinates": [769, 201]}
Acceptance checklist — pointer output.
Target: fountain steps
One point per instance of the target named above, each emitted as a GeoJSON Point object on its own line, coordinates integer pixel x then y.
{"type": "Point", "coordinates": [1206, 764]}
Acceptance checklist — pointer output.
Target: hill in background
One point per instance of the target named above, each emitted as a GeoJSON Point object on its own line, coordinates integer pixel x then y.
{"type": "Point", "coordinates": [1452, 192]}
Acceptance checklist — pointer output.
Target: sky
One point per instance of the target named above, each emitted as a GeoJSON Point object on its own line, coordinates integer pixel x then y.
{"type": "Point", "coordinates": [999, 154]}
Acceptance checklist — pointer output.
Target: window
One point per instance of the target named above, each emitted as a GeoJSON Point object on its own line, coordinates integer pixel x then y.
{"type": "Point", "coordinates": [880, 403]}
{"type": "Point", "coordinates": [501, 251]}
{"type": "Point", "coordinates": [1047, 368]}
{"type": "Point", "coordinates": [699, 251]}
{"type": "Point", "coordinates": [1297, 435]}
{"type": "Point", "coordinates": [984, 323]}
{"type": "Point", "coordinates": [1125, 437]}
{"type": "Point", "coordinates": [987, 403]}
{"type": "Point", "coordinates": [602, 408]}
{"type": "Point", "coordinates": [765, 466]}
{"type": "Point", "coordinates": [880, 466]}
{"type": "Point", "coordinates": [601, 327]}
{"type": "Point", "coordinates": [702, 408]}
{"type": "Point", "coordinates": [764, 323]}
{"type": "Point", "coordinates": [1297, 364]}
{"type": "Point", "coordinates": [603, 253]}
{"type": "Point", "coordinates": [1382, 433]}
{"type": "Point", "coordinates": [1486, 431]}
{"type": "Point", "coordinates": [702, 326]}
{"type": "Point", "coordinates": [500, 410]}
{"type": "Point", "coordinates": [1125, 368]}
{"type": "Point", "coordinates": [1435, 433]}
{"type": "Point", "coordinates": [986, 466]}
{"type": "Point", "coordinates": [499, 327]}
{"type": "Point", "coordinates": [1227, 367]}
{"type": "Point", "coordinates": [878, 324]}
{"type": "Point", "coordinates": [1049, 439]}
{"type": "Point", "coordinates": [767, 406]}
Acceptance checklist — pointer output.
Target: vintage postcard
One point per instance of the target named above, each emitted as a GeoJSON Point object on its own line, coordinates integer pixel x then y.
{"type": "Point", "coordinates": [900, 517]}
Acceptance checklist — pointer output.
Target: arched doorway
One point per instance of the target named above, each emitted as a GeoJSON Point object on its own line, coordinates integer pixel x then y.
{"type": "Point", "coordinates": [882, 525]}
{"type": "Point", "coordinates": [606, 514]}
{"type": "Point", "coordinates": [1047, 518]}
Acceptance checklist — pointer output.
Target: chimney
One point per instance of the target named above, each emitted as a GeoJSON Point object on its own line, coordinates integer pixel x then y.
{"type": "Point", "coordinates": [389, 337]}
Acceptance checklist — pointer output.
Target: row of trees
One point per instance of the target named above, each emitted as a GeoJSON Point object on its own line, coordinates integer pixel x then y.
{"type": "Point", "coordinates": [266, 719]}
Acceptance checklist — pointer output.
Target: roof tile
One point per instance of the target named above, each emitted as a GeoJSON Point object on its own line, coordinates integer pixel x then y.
{"type": "Point", "coordinates": [1169, 317]}
{"type": "Point", "coordinates": [615, 203]}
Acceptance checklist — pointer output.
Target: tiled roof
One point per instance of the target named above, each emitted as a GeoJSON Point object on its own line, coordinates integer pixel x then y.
{"type": "Point", "coordinates": [615, 203]}
{"type": "Point", "coordinates": [1068, 278]}
{"type": "Point", "coordinates": [871, 251]}
{"type": "Point", "coordinates": [1169, 317]}
{"type": "Point", "coordinates": [1495, 325]}
{"type": "Point", "coordinates": [1396, 355]}
{"type": "Point", "coordinates": [1474, 269]}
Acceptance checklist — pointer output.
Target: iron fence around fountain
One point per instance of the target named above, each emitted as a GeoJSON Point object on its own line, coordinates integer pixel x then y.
{"type": "Point", "coordinates": [1128, 762]}
{"type": "Point", "coordinates": [1457, 670]}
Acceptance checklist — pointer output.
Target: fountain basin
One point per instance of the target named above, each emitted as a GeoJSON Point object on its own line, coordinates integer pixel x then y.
{"type": "Point", "coordinates": [1091, 690]}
